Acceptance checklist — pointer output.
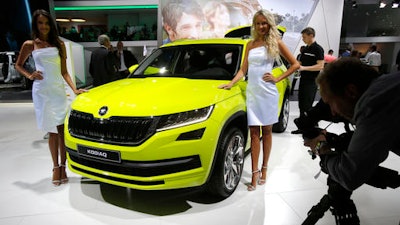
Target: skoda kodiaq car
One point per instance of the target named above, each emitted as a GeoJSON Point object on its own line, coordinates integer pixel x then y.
{"type": "Point", "coordinates": [168, 125]}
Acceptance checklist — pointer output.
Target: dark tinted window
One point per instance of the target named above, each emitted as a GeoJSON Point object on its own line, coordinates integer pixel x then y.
{"type": "Point", "coordinates": [193, 61]}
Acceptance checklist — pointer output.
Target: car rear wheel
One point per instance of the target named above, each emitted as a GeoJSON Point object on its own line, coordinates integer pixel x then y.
{"type": "Point", "coordinates": [283, 120]}
{"type": "Point", "coordinates": [229, 164]}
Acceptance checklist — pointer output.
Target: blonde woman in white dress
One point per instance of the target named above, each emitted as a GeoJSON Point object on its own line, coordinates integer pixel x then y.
{"type": "Point", "coordinates": [261, 93]}
{"type": "Point", "coordinates": [48, 90]}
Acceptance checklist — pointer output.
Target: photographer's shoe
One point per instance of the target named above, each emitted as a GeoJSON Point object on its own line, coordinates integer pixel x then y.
{"type": "Point", "coordinates": [296, 132]}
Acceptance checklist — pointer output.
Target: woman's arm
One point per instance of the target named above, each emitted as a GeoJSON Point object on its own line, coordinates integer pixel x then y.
{"type": "Point", "coordinates": [242, 71]}
{"type": "Point", "coordinates": [24, 53]}
{"type": "Point", "coordinates": [65, 74]}
{"type": "Point", "coordinates": [294, 64]}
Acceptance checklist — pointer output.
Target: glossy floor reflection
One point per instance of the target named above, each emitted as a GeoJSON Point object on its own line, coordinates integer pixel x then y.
{"type": "Point", "coordinates": [27, 196]}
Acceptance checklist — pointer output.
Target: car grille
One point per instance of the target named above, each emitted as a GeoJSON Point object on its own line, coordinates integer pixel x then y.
{"type": "Point", "coordinates": [127, 131]}
{"type": "Point", "coordinates": [137, 168]}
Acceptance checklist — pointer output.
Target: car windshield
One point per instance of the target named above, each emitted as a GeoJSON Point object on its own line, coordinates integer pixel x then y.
{"type": "Point", "coordinates": [201, 61]}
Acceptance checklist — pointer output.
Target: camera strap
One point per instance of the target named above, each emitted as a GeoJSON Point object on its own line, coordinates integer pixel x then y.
{"type": "Point", "coordinates": [318, 174]}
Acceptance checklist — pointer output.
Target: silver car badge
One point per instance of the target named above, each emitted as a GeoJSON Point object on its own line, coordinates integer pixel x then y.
{"type": "Point", "coordinates": [103, 110]}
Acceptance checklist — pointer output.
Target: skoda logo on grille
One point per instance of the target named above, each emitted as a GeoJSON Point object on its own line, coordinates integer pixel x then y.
{"type": "Point", "coordinates": [103, 110]}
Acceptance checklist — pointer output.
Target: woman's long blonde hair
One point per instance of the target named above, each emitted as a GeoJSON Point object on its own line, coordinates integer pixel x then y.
{"type": "Point", "coordinates": [273, 35]}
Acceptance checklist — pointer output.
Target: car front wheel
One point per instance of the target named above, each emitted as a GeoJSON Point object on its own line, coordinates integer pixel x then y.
{"type": "Point", "coordinates": [229, 164]}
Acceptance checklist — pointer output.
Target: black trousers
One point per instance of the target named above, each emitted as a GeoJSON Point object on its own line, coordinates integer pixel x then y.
{"type": "Point", "coordinates": [307, 90]}
{"type": "Point", "coordinates": [122, 74]}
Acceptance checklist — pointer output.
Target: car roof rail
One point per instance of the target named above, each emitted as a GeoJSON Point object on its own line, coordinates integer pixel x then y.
{"type": "Point", "coordinates": [245, 31]}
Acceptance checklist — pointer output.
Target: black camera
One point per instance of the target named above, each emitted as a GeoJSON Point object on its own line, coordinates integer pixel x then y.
{"type": "Point", "coordinates": [307, 124]}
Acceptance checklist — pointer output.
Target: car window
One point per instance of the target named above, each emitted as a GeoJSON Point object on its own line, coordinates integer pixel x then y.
{"type": "Point", "coordinates": [201, 61]}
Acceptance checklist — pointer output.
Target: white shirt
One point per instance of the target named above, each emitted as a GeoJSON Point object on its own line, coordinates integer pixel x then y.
{"type": "Point", "coordinates": [374, 59]}
{"type": "Point", "coordinates": [121, 59]}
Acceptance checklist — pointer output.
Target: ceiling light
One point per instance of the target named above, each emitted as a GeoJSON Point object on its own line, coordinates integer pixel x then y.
{"type": "Point", "coordinates": [78, 20]}
{"type": "Point", "coordinates": [354, 4]}
{"type": "Point", "coordinates": [382, 4]}
{"type": "Point", "coordinates": [395, 4]}
{"type": "Point", "coordinates": [62, 20]}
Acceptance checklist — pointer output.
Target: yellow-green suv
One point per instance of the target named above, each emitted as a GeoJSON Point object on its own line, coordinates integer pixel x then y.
{"type": "Point", "coordinates": [168, 125]}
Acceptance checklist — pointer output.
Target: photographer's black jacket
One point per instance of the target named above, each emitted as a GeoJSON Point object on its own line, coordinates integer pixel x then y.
{"type": "Point", "coordinates": [377, 120]}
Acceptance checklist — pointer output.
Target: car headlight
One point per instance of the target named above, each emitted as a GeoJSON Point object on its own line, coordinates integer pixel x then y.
{"type": "Point", "coordinates": [184, 118]}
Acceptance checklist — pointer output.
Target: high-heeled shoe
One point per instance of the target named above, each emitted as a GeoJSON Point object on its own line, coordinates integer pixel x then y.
{"type": "Point", "coordinates": [56, 176]}
{"type": "Point", "coordinates": [63, 174]}
{"type": "Point", "coordinates": [262, 181]}
{"type": "Point", "coordinates": [250, 186]}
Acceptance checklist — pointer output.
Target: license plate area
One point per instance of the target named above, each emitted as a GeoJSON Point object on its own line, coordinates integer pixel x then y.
{"type": "Point", "coordinates": [99, 154]}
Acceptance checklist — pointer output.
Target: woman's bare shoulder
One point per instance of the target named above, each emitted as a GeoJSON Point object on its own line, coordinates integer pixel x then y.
{"type": "Point", "coordinates": [28, 45]}
{"type": "Point", "coordinates": [254, 44]}
{"type": "Point", "coordinates": [250, 43]}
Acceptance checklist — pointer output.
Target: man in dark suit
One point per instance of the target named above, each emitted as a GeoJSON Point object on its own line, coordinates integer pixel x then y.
{"type": "Point", "coordinates": [103, 64]}
{"type": "Point", "coordinates": [125, 60]}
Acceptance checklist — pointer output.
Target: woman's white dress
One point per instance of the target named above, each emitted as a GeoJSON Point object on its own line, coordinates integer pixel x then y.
{"type": "Point", "coordinates": [49, 95]}
{"type": "Point", "coordinates": [262, 97]}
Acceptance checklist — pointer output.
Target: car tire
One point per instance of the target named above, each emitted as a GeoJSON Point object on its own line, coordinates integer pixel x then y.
{"type": "Point", "coordinates": [283, 120]}
{"type": "Point", "coordinates": [228, 166]}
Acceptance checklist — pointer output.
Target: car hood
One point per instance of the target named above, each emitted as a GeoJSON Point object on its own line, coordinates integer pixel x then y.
{"type": "Point", "coordinates": [153, 96]}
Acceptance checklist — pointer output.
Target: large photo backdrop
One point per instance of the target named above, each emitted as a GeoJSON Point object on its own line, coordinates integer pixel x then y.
{"type": "Point", "coordinates": [210, 18]}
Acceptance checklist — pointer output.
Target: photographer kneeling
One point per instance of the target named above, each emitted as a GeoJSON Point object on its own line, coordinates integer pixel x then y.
{"type": "Point", "coordinates": [371, 102]}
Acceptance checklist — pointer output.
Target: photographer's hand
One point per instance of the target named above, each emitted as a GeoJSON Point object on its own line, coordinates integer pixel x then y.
{"type": "Point", "coordinates": [323, 148]}
{"type": "Point", "coordinates": [313, 143]}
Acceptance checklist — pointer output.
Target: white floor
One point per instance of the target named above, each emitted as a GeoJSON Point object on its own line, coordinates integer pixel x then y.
{"type": "Point", "coordinates": [27, 196]}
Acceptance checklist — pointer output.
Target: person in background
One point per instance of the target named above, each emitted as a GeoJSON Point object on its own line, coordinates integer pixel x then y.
{"type": "Point", "coordinates": [182, 19]}
{"type": "Point", "coordinates": [296, 75]}
{"type": "Point", "coordinates": [217, 17]}
{"type": "Point", "coordinates": [48, 90]}
{"type": "Point", "coordinates": [347, 52]}
{"type": "Point", "coordinates": [312, 62]}
{"type": "Point", "coordinates": [328, 58]}
{"type": "Point", "coordinates": [103, 65]}
{"type": "Point", "coordinates": [301, 51]}
{"type": "Point", "coordinates": [373, 58]}
{"type": "Point", "coordinates": [355, 53]}
{"type": "Point", "coordinates": [261, 93]}
{"type": "Point", "coordinates": [125, 60]}
{"type": "Point", "coordinates": [12, 41]}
